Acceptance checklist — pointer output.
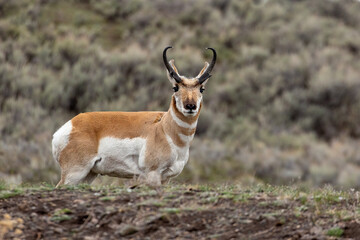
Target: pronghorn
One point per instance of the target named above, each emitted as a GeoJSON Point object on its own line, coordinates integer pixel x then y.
{"type": "Point", "coordinates": [149, 146]}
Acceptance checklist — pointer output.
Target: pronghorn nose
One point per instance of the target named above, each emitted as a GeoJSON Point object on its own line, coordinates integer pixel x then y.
{"type": "Point", "coordinates": [190, 106]}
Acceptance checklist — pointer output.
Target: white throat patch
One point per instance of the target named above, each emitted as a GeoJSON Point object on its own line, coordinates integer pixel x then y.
{"type": "Point", "coordinates": [181, 123]}
{"type": "Point", "coordinates": [186, 139]}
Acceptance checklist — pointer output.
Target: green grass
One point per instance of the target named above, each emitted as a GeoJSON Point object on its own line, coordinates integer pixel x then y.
{"type": "Point", "coordinates": [61, 215]}
{"type": "Point", "coordinates": [171, 210]}
{"type": "Point", "coordinates": [335, 232]}
{"type": "Point", "coordinates": [7, 191]}
{"type": "Point", "coordinates": [321, 200]}
{"type": "Point", "coordinates": [211, 199]}
{"type": "Point", "coordinates": [10, 193]}
{"type": "Point", "coordinates": [3, 185]}
{"type": "Point", "coordinates": [77, 187]}
{"type": "Point", "coordinates": [205, 188]}
{"type": "Point", "coordinates": [151, 202]}
{"type": "Point", "coordinates": [277, 204]}
{"type": "Point", "coordinates": [37, 187]}
{"type": "Point", "coordinates": [61, 218]}
{"type": "Point", "coordinates": [107, 198]}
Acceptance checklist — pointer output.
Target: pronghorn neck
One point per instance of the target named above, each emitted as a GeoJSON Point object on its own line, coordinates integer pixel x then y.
{"type": "Point", "coordinates": [180, 128]}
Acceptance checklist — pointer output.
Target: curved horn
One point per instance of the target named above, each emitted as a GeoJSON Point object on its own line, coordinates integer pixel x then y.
{"type": "Point", "coordinates": [207, 74]}
{"type": "Point", "coordinates": [172, 72]}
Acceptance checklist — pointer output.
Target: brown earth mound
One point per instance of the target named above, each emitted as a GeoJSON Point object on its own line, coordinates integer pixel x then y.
{"type": "Point", "coordinates": [179, 213]}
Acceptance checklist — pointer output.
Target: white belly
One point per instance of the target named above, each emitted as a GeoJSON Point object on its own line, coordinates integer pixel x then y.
{"type": "Point", "coordinates": [125, 158]}
{"type": "Point", "coordinates": [120, 157]}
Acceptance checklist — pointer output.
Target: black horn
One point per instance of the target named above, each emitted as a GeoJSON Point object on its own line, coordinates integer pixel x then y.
{"type": "Point", "coordinates": [172, 72]}
{"type": "Point", "coordinates": [207, 74]}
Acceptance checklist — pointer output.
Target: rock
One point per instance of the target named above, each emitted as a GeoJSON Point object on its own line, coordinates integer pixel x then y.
{"type": "Point", "coordinates": [126, 229]}
{"type": "Point", "coordinates": [156, 218]}
{"type": "Point", "coordinates": [90, 238]}
{"type": "Point", "coordinates": [79, 201]}
{"type": "Point", "coordinates": [246, 221]}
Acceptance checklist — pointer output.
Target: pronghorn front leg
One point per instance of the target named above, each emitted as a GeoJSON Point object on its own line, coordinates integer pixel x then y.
{"type": "Point", "coordinates": [133, 183]}
{"type": "Point", "coordinates": [151, 179]}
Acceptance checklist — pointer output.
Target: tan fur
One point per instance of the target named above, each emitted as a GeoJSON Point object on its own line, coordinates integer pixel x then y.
{"type": "Point", "coordinates": [89, 128]}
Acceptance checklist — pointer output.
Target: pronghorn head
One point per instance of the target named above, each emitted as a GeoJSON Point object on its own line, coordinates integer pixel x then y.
{"type": "Point", "coordinates": [188, 91]}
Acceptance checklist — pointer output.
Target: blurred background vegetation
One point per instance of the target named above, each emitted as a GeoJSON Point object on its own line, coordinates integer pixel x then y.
{"type": "Point", "coordinates": [283, 105]}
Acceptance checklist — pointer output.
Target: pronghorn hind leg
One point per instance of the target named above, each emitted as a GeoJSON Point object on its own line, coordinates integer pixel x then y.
{"type": "Point", "coordinates": [76, 161]}
{"type": "Point", "coordinates": [61, 182]}
{"type": "Point", "coordinates": [77, 175]}
{"type": "Point", "coordinates": [74, 176]}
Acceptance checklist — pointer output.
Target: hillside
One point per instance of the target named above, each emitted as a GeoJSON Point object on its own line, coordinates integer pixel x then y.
{"type": "Point", "coordinates": [180, 211]}
{"type": "Point", "coordinates": [283, 105]}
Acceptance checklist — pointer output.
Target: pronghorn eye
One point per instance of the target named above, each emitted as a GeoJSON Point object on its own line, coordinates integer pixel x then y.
{"type": "Point", "coordinates": [202, 89]}
{"type": "Point", "coordinates": [176, 88]}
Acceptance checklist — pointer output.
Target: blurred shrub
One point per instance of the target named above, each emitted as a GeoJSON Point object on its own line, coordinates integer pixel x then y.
{"type": "Point", "coordinates": [283, 104]}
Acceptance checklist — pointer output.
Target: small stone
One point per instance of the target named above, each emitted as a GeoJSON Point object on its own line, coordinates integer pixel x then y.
{"type": "Point", "coordinates": [156, 218]}
{"type": "Point", "coordinates": [90, 238]}
{"type": "Point", "coordinates": [79, 201]}
{"type": "Point", "coordinates": [58, 230]}
{"type": "Point", "coordinates": [126, 229]}
{"type": "Point", "coordinates": [7, 224]}
{"type": "Point", "coordinates": [21, 226]}
{"type": "Point", "coordinates": [94, 221]}
{"type": "Point", "coordinates": [19, 220]}
{"type": "Point", "coordinates": [316, 230]}
{"type": "Point", "coordinates": [246, 221]}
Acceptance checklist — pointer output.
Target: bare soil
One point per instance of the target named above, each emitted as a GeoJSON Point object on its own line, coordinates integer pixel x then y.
{"type": "Point", "coordinates": [179, 213]}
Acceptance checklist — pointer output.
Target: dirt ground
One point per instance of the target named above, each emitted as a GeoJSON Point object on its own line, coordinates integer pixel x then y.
{"type": "Point", "coordinates": [177, 213]}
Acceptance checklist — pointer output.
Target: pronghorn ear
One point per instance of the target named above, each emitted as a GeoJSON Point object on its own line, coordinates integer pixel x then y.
{"type": "Point", "coordinates": [202, 72]}
{"type": "Point", "coordinates": [172, 63]}
{"type": "Point", "coordinates": [172, 80]}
